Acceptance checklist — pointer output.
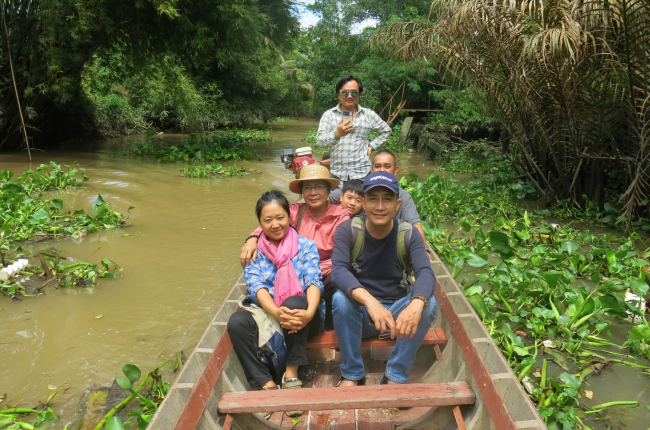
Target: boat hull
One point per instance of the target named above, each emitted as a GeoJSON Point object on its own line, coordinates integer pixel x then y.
{"type": "Point", "coordinates": [470, 355]}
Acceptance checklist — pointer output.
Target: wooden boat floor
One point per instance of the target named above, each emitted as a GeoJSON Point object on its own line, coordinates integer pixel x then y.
{"type": "Point", "coordinates": [327, 375]}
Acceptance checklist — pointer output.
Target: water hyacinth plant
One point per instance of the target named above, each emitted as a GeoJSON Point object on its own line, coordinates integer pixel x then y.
{"type": "Point", "coordinates": [26, 215]}
{"type": "Point", "coordinates": [546, 292]}
{"type": "Point", "coordinates": [234, 145]}
{"type": "Point", "coordinates": [217, 170]}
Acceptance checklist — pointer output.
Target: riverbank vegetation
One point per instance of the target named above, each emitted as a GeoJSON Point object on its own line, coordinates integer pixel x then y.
{"type": "Point", "coordinates": [568, 82]}
{"type": "Point", "coordinates": [28, 215]}
{"type": "Point", "coordinates": [74, 69]}
{"type": "Point", "coordinates": [547, 286]}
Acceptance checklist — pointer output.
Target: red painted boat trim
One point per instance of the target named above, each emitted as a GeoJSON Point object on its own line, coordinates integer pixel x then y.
{"type": "Point", "coordinates": [199, 398]}
{"type": "Point", "coordinates": [491, 397]}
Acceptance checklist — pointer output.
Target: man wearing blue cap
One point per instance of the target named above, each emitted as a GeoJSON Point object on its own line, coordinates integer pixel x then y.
{"type": "Point", "coordinates": [370, 300]}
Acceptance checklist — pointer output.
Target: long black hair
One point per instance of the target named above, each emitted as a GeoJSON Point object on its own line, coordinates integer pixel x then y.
{"type": "Point", "coordinates": [271, 197]}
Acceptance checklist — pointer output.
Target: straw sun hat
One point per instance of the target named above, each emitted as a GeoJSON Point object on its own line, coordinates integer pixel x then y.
{"type": "Point", "coordinates": [312, 172]}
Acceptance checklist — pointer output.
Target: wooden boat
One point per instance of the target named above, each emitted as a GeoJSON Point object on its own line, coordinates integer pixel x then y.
{"type": "Point", "coordinates": [460, 380]}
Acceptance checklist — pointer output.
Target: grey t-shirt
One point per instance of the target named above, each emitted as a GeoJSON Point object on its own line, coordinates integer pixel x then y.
{"type": "Point", "coordinates": [407, 212]}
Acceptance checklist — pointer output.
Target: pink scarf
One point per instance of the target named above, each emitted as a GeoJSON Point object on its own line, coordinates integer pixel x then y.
{"type": "Point", "coordinates": [286, 283]}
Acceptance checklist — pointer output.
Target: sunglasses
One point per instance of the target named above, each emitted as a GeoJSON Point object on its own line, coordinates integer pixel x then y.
{"type": "Point", "coordinates": [346, 94]}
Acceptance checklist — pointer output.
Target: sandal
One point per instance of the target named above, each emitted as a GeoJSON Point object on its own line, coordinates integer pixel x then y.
{"type": "Point", "coordinates": [361, 381]}
{"type": "Point", "coordinates": [288, 384]}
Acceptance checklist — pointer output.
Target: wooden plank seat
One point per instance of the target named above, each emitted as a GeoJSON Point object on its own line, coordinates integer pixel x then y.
{"type": "Point", "coordinates": [435, 336]}
{"type": "Point", "coordinates": [360, 397]}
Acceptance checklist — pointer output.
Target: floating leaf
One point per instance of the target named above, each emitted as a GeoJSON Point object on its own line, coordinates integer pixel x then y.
{"type": "Point", "coordinates": [500, 242]}
{"type": "Point", "coordinates": [51, 387]}
{"type": "Point", "coordinates": [639, 332]}
{"type": "Point", "coordinates": [12, 188]}
{"type": "Point", "coordinates": [476, 261]}
{"type": "Point", "coordinates": [57, 203]}
{"type": "Point", "coordinates": [639, 286]}
{"type": "Point", "coordinates": [132, 372]}
{"type": "Point", "coordinates": [479, 305]}
{"type": "Point", "coordinates": [569, 246]}
{"type": "Point", "coordinates": [479, 235]}
{"type": "Point", "coordinates": [39, 216]}
{"type": "Point", "coordinates": [476, 289]}
{"type": "Point", "coordinates": [123, 382]}
{"type": "Point", "coordinates": [520, 351]}
{"type": "Point", "coordinates": [114, 423]}
{"type": "Point", "coordinates": [570, 380]}
{"type": "Point", "coordinates": [99, 316]}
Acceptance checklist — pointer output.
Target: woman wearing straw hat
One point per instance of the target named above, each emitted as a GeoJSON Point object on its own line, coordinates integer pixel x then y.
{"type": "Point", "coordinates": [315, 219]}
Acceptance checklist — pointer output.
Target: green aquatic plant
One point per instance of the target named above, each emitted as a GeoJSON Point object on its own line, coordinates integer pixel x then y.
{"type": "Point", "coordinates": [53, 271]}
{"type": "Point", "coordinates": [16, 418]}
{"type": "Point", "coordinates": [234, 145]}
{"type": "Point", "coordinates": [26, 215]}
{"type": "Point", "coordinates": [476, 157]}
{"type": "Point", "coordinates": [149, 393]}
{"type": "Point", "coordinates": [50, 177]}
{"type": "Point", "coordinates": [212, 170]}
{"type": "Point", "coordinates": [542, 289]}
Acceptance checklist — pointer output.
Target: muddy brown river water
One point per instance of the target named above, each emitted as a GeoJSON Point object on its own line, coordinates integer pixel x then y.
{"type": "Point", "coordinates": [180, 258]}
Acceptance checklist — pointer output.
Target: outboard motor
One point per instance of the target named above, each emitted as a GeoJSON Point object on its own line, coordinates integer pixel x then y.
{"type": "Point", "coordinates": [296, 159]}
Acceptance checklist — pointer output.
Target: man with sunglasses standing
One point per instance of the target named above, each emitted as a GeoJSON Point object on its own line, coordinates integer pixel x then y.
{"type": "Point", "coordinates": [345, 128]}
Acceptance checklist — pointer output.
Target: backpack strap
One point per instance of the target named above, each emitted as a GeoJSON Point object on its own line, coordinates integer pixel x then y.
{"type": "Point", "coordinates": [358, 226]}
{"type": "Point", "coordinates": [358, 234]}
{"type": "Point", "coordinates": [301, 213]}
{"type": "Point", "coordinates": [403, 244]}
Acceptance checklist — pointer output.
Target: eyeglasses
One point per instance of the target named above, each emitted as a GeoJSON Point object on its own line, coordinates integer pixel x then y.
{"type": "Point", "coordinates": [308, 188]}
{"type": "Point", "coordinates": [346, 94]}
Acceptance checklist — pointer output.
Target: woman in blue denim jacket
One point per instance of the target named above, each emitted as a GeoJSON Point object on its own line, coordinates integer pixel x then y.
{"type": "Point", "coordinates": [284, 285]}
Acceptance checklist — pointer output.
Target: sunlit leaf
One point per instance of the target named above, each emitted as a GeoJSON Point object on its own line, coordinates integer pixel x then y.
{"type": "Point", "coordinates": [640, 332]}
{"type": "Point", "coordinates": [570, 380]}
{"type": "Point", "coordinates": [39, 216]}
{"type": "Point", "coordinates": [475, 261]}
{"type": "Point", "coordinates": [123, 382]}
{"type": "Point", "coordinates": [640, 286]}
{"type": "Point", "coordinates": [520, 351]}
{"type": "Point", "coordinates": [476, 289]}
{"type": "Point", "coordinates": [570, 246]}
{"type": "Point", "coordinates": [132, 372]}
{"type": "Point", "coordinates": [114, 423]}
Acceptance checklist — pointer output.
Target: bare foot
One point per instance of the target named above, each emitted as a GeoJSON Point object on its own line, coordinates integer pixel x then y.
{"type": "Point", "coordinates": [348, 383]}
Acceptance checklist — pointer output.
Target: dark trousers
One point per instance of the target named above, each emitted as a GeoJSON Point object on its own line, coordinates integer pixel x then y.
{"type": "Point", "coordinates": [328, 292]}
{"type": "Point", "coordinates": [245, 337]}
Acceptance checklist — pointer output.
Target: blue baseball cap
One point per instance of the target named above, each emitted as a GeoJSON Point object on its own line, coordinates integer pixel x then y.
{"type": "Point", "coordinates": [381, 179]}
